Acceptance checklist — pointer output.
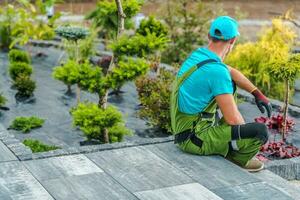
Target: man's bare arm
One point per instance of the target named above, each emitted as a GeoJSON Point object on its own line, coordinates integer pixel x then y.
{"type": "Point", "coordinates": [241, 81]}
{"type": "Point", "coordinates": [229, 109]}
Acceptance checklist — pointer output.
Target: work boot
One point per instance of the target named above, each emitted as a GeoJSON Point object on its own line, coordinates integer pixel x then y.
{"type": "Point", "coordinates": [254, 165]}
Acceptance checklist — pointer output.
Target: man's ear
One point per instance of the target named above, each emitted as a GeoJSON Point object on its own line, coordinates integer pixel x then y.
{"type": "Point", "coordinates": [208, 35]}
{"type": "Point", "coordinates": [232, 41]}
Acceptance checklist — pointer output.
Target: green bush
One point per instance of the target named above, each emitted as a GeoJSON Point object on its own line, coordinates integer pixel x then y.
{"type": "Point", "coordinates": [25, 86]}
{"type": "Point", "coordinates": [68, 73]}
{"type": "Point", "coordinates": [3, 100]}
{"type": "Point", "coordinates": [17, 69]}
{"type": "Point", "coordinates": [256, 59]}
{"type": "Point", "coordinates": [72, 32]}
{"type": "Point", "coordinates": [92, 120]}
{"type": "Point", "coordinates": [26, 124]}
{"type": "Point", "coordinates": [127, 70]}
{"type": "Point", "coordinates": [87, 76]}
{"type": "Point", "coordinates": [152, 26]}
{"type": "Point", "coordinates": [139, 45]}
{"type": "Point", "coordinates": [105, 16]}
{"type": "Point", "coordinates": [287, 70]}
{"type": "Point", "coordinates": [90, 78]}
{"type": "Point", "coordinates": [37, 146]}
{"type": "Point", "coordinates": [16, 55]}
{"type": "Point", "coordinates": [154, 95]}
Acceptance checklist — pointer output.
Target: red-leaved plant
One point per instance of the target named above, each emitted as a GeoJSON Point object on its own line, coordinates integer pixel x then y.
{"type": "Point", "coordinates": [276, 122]}
{"type": "Point", "coordinates": [277, 149]}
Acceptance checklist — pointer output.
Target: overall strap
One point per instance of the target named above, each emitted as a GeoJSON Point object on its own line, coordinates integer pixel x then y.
{"type": "Point", "coordinates": [204, 114]}
{"type": "Point", "coordinates": [185, 75]}
{"type": "Point", "coordinates": [205, 62]}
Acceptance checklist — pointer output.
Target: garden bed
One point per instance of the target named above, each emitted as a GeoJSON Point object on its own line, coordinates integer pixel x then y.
{"type": "Point", "coordinates": [51, 103]}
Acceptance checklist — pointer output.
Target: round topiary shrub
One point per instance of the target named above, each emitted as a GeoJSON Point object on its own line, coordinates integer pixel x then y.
{"type": "Point", "coordinates": [93, 120]}
{"type": "Point", "coordinates": [67, 73]}
{"type": "Point", "coordinates": [25, 86]}
{"type": "Point", "coordinates": [17, 69]}
{"type": "Point", "coordinates": [16, 55]}
{"type": "Point", "coordinates": [152, 25]}
{"type": "Point", "coordinates": [127, 70]}
{"type": "Point", "coordinates": [72, 32]}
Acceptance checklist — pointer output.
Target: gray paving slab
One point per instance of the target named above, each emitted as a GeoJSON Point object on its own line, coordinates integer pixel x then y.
{"type": "Point", "coordinates": [139, 169]}
{"type": "Point", "coordinates": [6, 154]}
{"type": "Point", "coordinates": [279, 183]}
{"type": "Point", "coordinates": [2, 128]}
{"type": "Point", "coordinates": [90, 186]}
{"type": "Point", "coordinates": [17, 183]}
{"type": "Point", "coordinates": [57, 167]}
{"type": "Point", "coordinates": [4, 193]}
{"type": "Point", "coordinates": [210, 171]}
{"type": "Point", "coordinates": [192, 191]}
{"type": "Point", "coordinates": [252, 191]}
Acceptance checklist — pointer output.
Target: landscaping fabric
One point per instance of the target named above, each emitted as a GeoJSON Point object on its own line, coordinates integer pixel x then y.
{"type": "Point", "coordinates": [51, 103]}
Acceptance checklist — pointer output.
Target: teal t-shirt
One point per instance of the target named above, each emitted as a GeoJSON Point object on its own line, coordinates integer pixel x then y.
{"type": "Point", "coordinates": [205, 83]}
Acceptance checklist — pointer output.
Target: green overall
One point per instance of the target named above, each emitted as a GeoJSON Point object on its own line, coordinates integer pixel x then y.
{"type": "Point", "coordinates": [215, 137]}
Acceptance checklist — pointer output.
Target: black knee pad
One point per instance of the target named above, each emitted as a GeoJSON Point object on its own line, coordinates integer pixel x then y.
{"type": "Point", "coordinates": [250, 130]}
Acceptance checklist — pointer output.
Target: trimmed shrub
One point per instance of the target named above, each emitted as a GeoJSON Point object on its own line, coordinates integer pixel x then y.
{"type": "Point", "coordinates": [25, 86]}
{"type": "Point", "coordinates": [26, 124]}
{"type": "Point", "coordinates": [72, 32]}
{"type": "Point", "coordinates": [3, 100]}
{"type": "Point", "coordinates": [17, 69]}
{"type": "Point", "coordinates": [139, 45]}
{"type": "Point", "coordinates": [37, 146]}
{"type": "Point", "coordinates": [90, 78]}
{"type": "Point", "coordinates": [152, 26]}
{"type": "Point", "coordinates": [68, 73]}
{"type": "Point", "coordinates": [154, 94]}
{"type": "Point", "coordinates": [16, 55]}
{"type": "Point", "coordinates": [93, 120]}
{"type": "Point", "coordinates": [127, 70]}
{"type": "Point", "coordinates": [117, 133]}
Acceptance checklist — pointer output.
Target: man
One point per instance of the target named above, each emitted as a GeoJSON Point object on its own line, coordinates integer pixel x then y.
{"type": "Point", "coordinates": [204, 83]}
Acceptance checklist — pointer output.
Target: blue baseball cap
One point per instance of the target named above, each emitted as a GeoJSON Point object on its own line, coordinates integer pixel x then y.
{"type": "Point", "coordinates": [224, 28]}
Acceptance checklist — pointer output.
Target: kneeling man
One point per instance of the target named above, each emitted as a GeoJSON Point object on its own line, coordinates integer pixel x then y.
{"type": "Point", "coordinates": [204, 83]}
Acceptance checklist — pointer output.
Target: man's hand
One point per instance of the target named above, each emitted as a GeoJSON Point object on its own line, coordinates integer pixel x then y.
{"type": "Point", "coordinates": [262, 102]}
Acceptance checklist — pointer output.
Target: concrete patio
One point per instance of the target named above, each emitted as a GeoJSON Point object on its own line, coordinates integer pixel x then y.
{"type": "Point", "coordinates": [159, 171]}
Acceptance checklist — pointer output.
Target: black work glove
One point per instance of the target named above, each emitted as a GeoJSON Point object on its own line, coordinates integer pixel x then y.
{"type": "Point", "coordinates": [262, 102]}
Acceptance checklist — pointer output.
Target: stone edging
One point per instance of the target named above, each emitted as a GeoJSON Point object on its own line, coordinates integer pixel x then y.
{"type": "Point", "coordinates": [288, 168]}
{"type": "Point", "coordinates": [24, 153]}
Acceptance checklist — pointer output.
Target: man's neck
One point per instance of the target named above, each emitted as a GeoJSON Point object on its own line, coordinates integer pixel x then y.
{"type": "Point", "coordinates": [217, 49]}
